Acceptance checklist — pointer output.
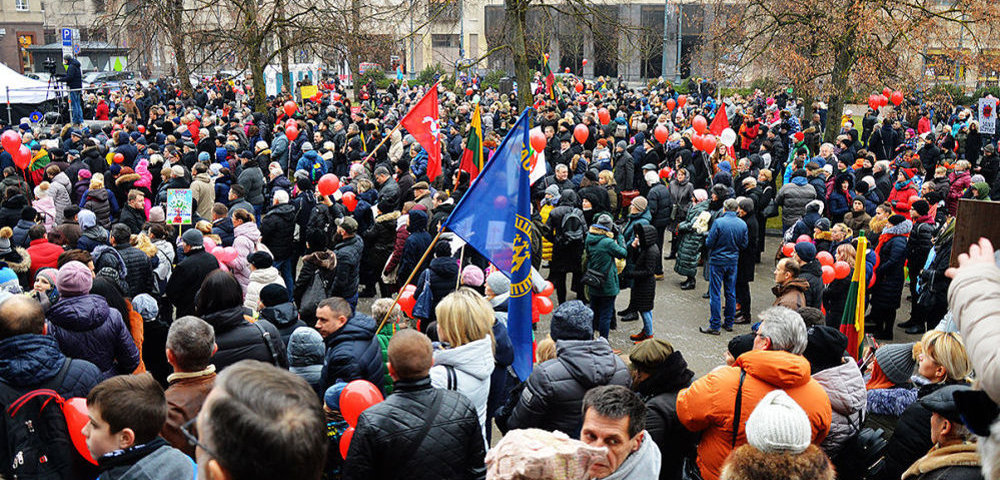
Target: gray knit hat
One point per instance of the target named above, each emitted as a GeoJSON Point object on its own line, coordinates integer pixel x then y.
{"type": "Point", "coordinates": [572, 321]}
{"type": "Point", "coordinates": [641, 203]}
{"type": "Point", "coordinates": [498, 283]}
{"type": "Point", "coordinates": [896, 361]}
{"type": "Point", "coordinates": [778, 425]}
{"type": "Point", "coordinates": [604, 221]}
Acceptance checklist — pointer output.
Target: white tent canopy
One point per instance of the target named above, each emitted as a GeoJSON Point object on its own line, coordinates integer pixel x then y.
{"type": "Point", "coordinates": [16, 88]}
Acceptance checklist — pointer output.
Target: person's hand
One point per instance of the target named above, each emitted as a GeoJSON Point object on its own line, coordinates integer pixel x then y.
{"type": "Point", "coordinates": [979, 254]}
{"type": "Point", "coordinates": [635, 242]}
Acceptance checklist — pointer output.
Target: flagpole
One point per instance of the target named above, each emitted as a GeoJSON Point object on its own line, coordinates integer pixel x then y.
{"type": "Point", "coordinates": [398, 124]}
{"type": "Point", "coordinates": [416, 268]}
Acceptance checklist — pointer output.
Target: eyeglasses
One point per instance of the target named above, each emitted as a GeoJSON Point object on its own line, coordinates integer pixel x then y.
{"type": "Point", "coordinates": [192, 438]}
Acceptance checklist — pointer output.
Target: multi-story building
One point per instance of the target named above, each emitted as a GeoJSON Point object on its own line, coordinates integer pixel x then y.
{"type": "Point", "coordinates": [21, 26]}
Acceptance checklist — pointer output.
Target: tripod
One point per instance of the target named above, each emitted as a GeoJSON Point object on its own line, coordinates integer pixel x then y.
{"type": "Point", "coordinates": [55, 87]}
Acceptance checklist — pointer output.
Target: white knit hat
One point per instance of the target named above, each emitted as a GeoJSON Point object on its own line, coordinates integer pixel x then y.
{"type": "Point", "coordinates": [778, 425]}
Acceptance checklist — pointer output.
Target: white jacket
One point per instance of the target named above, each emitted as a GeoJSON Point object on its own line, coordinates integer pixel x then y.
{"type": "Point", "coordinates": [845, 386]}
{"type": "Point", "coordinates": [258, 280]}
{"type": "Point", "coordinates": [473, 365]}
{"type": "Point", "coordinates": [974, 298]}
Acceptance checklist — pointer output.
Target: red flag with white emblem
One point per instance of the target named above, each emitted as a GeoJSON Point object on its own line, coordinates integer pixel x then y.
{"type": "Point", "coordinates": [422, 123]}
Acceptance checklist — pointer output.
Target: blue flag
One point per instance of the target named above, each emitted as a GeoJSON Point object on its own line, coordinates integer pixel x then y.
{"type": "Point", "coordinates": [494, 217]}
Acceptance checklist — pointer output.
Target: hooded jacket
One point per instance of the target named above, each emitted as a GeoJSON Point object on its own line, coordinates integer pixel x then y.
{"type": "Point", "coordinates": [708, 406]}
{"type": "Point", "coordinates": [203, 194]}
{"type": "Point", "coordinates": [644, 463]}
{"type": "Point", "coordinates": [348, 252]}
{"type": "Point", "coordinates": [150, 461]}
{"type": "Point", "coordinates": [845, 387]}
{"type": "Point", "coordinates": [790, 294]}
{"type": "Point", "coordinates": [245, 240]}
{"type": "Point", "coordinates": [659, 393]}
{"type": "Point", "coordinates": [238, 339]}
{"type": "Point", "coordinates": [59, 191]}
{"type": "Point", "coordinates": [277, 230]}
{"type": "Point", "coordinates": [554, 392]}
{"type": "Point", "coordinates": [353, 353]}
{"type": "Point", "coordinates": [98, 201]}
{"type": "Point", "coordinates": [258, 280]}
{"type": "Point", "coordinates": [793, 197]}
{"type": "Point", "coordinates": [812, 272]}
{"type": "Point", "coordinates": [889, 279]}
{"type": "Point", "coordinates": [87, 328]}
{"type": "Point", "coordinates": [415, 246]}
{"type": "Point", "coordinates": [305, 354]}
{"type": "Point", "coordinates": [285, 317]}
{"type": "Point", "coordinates": [643, 268]}
{"type": "Point", "coordinates": [472, 365]}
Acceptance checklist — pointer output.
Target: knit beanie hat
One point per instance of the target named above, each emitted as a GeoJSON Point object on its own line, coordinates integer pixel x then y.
{"type": "Point", "coordinates": [823, 224]}
{"type": "Point", "coordinates": [5, 235]}
{"type": "Point", "coordinates": [572, 321]}
{"type": "Point", "coordinates": [498, 283]}
{"type": "Point", "coordinates": [921, 206]}
{"type": "Point", "coordinates": [552, 190]}
{"type": "Point", "coordinates": [778, 425]}
{"type": "Point", "coordinates": [273, 294]}
{"type": "Point", "coordinates": [145, 305]}
{"type": "Point", "coordinates": [331, 398]}
{"type": "Point", "coordinates": [896, 361]}
{"type": "Point", "coordinates": [260, 259]}
{"type": "Point", "coordinates": [604, 221]}
{"type": "Point", "coordinates": [896, 219]}
{"type": "Point", "coordinates": [741, 344]}
{"type": "Point", "coordinates": [472, 276]}
{"type": "Point", "coordinates": [193, 238]}
{"type": "Point", "coordinates": [204, 157]}
{"type": "Point", "coordinates": [86, 219]}
{"type": "Point", "coordinates": [641, 203]}
{"type": "Point", "coordinates": [806, 251]}
{"type": "Point", "coordinates": [825, 348]}
{"type": "Point", "coordinates": [74, 279]}
{"type": "Point", "coordinates": [49, 274]}
{"type": "Point", "coordinates": [157, 215]}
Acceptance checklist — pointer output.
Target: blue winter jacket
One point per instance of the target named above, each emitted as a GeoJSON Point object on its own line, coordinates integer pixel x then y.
{"type": "Point", "coordinates": [279, 149]}
{"type": "Point", "coordinates": [353, 353]}
{"type": "Point", "coordinates": [726, 238]}
{"type": "Point", "coordinates": [313, 164]}
{"type": "Point", "coordinates": [418, 165]}
{"type": "Point", "coordinates": [28, 361]}
{"type": "Point", "coordinates": [86, 328]}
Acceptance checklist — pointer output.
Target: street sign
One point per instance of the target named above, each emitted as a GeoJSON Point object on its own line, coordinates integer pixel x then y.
{"type": "Point", "coordinates": [70, 41]}
{"type": "Point", "coordinates": [35, 116]}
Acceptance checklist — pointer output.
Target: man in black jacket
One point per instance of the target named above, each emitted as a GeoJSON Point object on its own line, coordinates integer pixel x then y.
{"type": "Point", "coordinates": [348, 251]}
{"type": "Point", "coordinates": [419, 432]}
{"type": "Point", "coordinates": [138, 270]}
{"type": "Point", "coordinates": [277, 232]}
{"type": "Point", "coordinates": [188, 274]}
{"type": "Point", "coordinates": [133, 215]}
{"type": "Point", "coordinates": [352, 351]}
{"type": "Point", "coordinates": [74, 80]}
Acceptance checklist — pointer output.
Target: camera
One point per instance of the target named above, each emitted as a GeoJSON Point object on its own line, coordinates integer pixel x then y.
{"type": "Point", "coordinates": [50, 66]}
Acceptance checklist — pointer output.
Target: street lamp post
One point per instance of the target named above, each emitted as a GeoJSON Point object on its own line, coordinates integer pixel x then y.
{"type": "Point", "coordinates": [666, 37]}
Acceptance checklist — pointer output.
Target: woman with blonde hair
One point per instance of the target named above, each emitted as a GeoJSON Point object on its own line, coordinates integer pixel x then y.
{"type": "Point", "coordinates": [99, 200]}
{"type": "Point", "coordinates": [943, 360]}
{"type": "Point", "coordinates": [465, 361]}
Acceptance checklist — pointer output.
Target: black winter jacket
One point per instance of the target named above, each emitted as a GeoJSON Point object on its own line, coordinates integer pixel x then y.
{"type": "Point", "coordinates": [139, 271]}
{"type": "Point", "coordinates": [912, 437]}
{"type": "Point", "coordinates": [28, 361]}
{"type": "Point", "coordinates": [134, 219]}
{"type": "Point", "coordinates": [353, 353]}
{"type": "Point", "coordinates": [285, 317]}
{"type": "Point", "coordinates": [660, 205]}
{"type": "Point", "coordinates": [386, 436]}
{"type": "Point", "coordinates": [644, 263]}
{"type": "Point", "coordinates": [186, 280]}
{"type": "Point", "coordinates": [812, 272]}
{"type": "Point", "coordinates": [239, 339]}
{"type": "Point", "coordinates": [348, 252]}
{"type": "Point", "coordinates": [554, 392]}
{"type": "Point", "coordinates": [659, 392]}
{"type": "Point", "coordinates": [277, 231]}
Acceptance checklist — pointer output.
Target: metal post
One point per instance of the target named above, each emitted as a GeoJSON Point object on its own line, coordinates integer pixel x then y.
{"type": "Point", "coordinates": [680, 19]}
{"type": "Point", "coordinates": [413, 60]}
{"type": "Point", "coordinates": [9, 121]}
{"type": "Point", "coordinates": [666, 29]}
{"type": "Point", "coordinates": [461, 29]}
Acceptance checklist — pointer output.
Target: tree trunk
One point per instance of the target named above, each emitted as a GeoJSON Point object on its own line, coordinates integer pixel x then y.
{"type": "Point", "coordinates": [838, 87]}
{"type": "Point", "coordinates": [256, 65]}
{"type": "Point", "coordinates": [518, 9]}
{"type": "Point", "coordinates": [286, 74]}
{"type": "Point", "coordinates": [177, 37]}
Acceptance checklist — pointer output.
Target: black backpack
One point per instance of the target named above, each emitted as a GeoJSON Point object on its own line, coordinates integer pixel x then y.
{"type": "Point", "coordinates": [36, 443]}
{"type": "Point", "coordinates": [572, 227]}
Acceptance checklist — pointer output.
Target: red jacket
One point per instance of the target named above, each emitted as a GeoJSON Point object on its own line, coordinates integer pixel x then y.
{"type": "Point", "coordinates": [43, 254]}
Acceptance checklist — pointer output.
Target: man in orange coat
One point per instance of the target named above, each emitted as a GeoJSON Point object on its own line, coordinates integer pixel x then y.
{"type": "Point", "coordinates": [711, 403]}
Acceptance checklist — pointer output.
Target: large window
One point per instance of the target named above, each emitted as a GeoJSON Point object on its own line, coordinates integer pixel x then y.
{"type": "Point", "coordinates": [444, 40]}
{"type": "Point", "coordinates": [21, 5]}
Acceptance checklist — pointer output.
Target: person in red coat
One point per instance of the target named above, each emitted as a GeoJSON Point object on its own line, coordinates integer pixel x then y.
{"type": "Point", "coordinates": [43, 254]}
{"type": "Point", "coordinates": [902, 190]}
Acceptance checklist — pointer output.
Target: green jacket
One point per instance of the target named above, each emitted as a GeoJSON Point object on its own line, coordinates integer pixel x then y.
{"type": "Point", "coordinates": [383, 338]}
{"type": "Point", "coordinates": [601, 254]}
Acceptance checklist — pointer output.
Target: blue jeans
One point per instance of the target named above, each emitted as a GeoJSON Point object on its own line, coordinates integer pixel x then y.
{"type": "Point", "coordinates": [604, 308]}
{"type": "Point", "coordinates": [285, 267]}
{"type": "Point", "coordinates": [76, 107]}
{"type": "Point", "coordinates": [719, 276]}
{"type": "Point", "coordinates": [647, 322]}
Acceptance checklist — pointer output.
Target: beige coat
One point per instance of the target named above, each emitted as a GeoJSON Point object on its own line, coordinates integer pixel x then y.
{"type": "Point", "coordinates": [974, 298]}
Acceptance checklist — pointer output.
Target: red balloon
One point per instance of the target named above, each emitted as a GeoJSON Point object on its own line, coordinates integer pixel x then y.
{"type": "Point", "coordinates": [345, 441]}
{"type": "Point", "coordinates": [661, 133]}
{"type": "Point", "coordinates": [350, 201]}
{"type": "Point", "coordinates": [22, 157]}
{"type": "Point", "coordinates": [77, 416]}
{"type": "Point", "coordinates": [886, 91]}
{"type": "Point", "coordinates": [291, 123]}
{"type": "Point", "coordinates": [671, 104]}
{"type": "Point", "coordinates": [700, 124]}
{"type": "Point", "coordinates": [697, 140]}
{"type": "Point", "coordinates": [407, 302]}
{"type": "Point", "coordinates": [141, 128]}
{"type": "Point", "coordinates": [897, 98]}
{"type": "Point", "coordinates": [11, 141]}
{"type": "Point", "coordinates": [469, 92]}
{"type": "Point", "coordinates": [580, 133]}
{"type": "Point", "coordinates": [804, 238]}
{"type": "Point", "coordinates": [567, 69]}
{"type": "Point", "coordinates": [585, 62]}
{"type": "Point", "coordinates": [604, 116]}
{"type": "Point", "coordinates": [883, 100]}
{"type": "Point", "coordinates": [665, 172]}
{"type": "Point", "coordinates": [119, 158]}
{"type": "Point", "coordinates": [828, 274]}
{"type": "Point", "coordinates": [824, 258]}
{"type": "Point", "coordinates": [292, 133]}
{"type": "Point", "coordinates": [356, 397]}
{"type": "Point", "coordinates": [579, 87]}
{"type": "Point", "coordinates": [547, 289]}
{"type": "Point", "coordinates": [682, 100]}
{"type": "Point", "coordinates": [542, 304]}
{"type": "Point", "coordinates": [328, 184]}
{"type": "Point", "coordinates": [537, 140]}
{"type": "Point", "coordinates": [842, 269]}
{"type": "Point", "coordinates": [708, 143]}
{"type": "Point", "coordinates": [788, 249]}
{"type": "Point", "coordinates": [290, 108]}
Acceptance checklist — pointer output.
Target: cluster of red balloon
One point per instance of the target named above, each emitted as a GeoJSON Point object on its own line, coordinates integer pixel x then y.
{"type": "Point", "coordinates": [831, 270]}
{"type": "Point", "coordinates": [876, 101]}
{"type": "Point", "coordinates": [541, 301]}
{"type": "Point", "coordinates": [356, 397]}
{"type": "Point", "coordinates": [11, 141]}
{"type": "Point", "coordinates": [291, 128]}
{"type": "Point", "coordinates": [225, 255]}
{"type": "Point", "coordinates": [789, 248]}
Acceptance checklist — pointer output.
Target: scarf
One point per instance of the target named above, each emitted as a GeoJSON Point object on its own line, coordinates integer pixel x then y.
{"type": "Point", "coordinates": [893, 231]}
{"type": "Point", "coordinates": [642, 463]}
{"type": "Point", "coordinates": [900, 186]}
{"type": "Point", "coordinates": [878, 380]}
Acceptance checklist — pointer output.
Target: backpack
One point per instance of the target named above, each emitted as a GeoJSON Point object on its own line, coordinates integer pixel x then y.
{"type": "Point", "coordinates": [37, 441]}
{"type": "Point", "coordinates": [572, 227]}
{"type": "Point", "coordinates": [621, 131]}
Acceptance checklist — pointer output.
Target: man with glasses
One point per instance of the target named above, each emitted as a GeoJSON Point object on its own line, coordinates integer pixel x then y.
{"type": "Point", "coordinates": [726, 396]}
{"type": "Point", "coordinates": [259, 422]}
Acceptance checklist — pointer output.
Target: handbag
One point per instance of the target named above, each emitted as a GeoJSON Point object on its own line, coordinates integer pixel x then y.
{"type": "Point", "coordinates": [771, 210]}
{"type": "Point", "coordinates": [592, 278]}
{"type": "Point", "coordinates": [389, 278]}
{"type": "Point", "coordinates": [627, 197]}
{"type": "Point", "coordinates": [317, 291]}
{"type": "Point", "coordinates": [423, 307]}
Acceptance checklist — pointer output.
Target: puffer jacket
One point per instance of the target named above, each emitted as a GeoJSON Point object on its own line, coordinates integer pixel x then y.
{"type": "Point", "coordinates": [353, 353]}
{"type": "Point", "coordinates": [253, 181]}
{"type": "Point", "coordinates": [277, 230]}
{"type": "Point", "coordinates": [472, 365]}
{"type": "Point", "coordinates": [238, 339]}
{"type": "Point", "coordinates": [918, 244]}
{"type": "Point", "coordinates": [322, 263]}
{"type": "Point", "coordinates": [305, 354]}
{"type": "Point", "coordinates": [386, 433]}
{"type": "Point", "coordinates": [660, 204]}
{"type": "Point", "coordinates": [727, 237]}
{"type": "Point", "coordinates": [659, 393]}
{"type": "Point", "coordinates": [601, 254]}
{"type": "Point", "coordinates": [245, 240]}
{"type": "Point", "coordinates": [138, 268]}
{"type": "Point", "coordinates": [680, 195]}
{"type": "Point", "coordinates": [812, 272]}
{"type": "Point", "coordinates": [97, 201]}
{"type": "Point", "coordinates": [889, 277]}
{"type": "Point", "coordinates": [150, 461]}
{"type": "Point", "coordinates": [86, 328]}
{"type": "Point", "coordinates": [689, 250]}
{"type": "Point", "coordinates": [416, 244]}
{"type": "Point", "coordinates": [959, 182]}
{"type": "Point", "coordinates": [379, 242]}
{"type": "Point", "coordinates": [974, 300]}
{"type": "Point", "coordinates": [845, 387]}
{"type": "Point", "coordinates": [59, 191]}
{"type": "Point", "coordinates": [643, 268]}
{"type": "Point", "coordinates": [285, 317]}
{"type": "Point", "coordinates": [92, 238]}
{"type": "Point", "coordinates": [554, 392]}
{"type": "Point", "coordinates": [203, 194]}
{"type": "Point", "coordinates": [792, 198]}
{"type": "Point", "coordinates": [708, 406]}
{"type": "Point", "coordinates": [27, 361]}
{"type": "Point", "coordinates": [258, 280]}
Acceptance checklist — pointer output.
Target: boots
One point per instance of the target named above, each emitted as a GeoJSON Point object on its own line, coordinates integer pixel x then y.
{"type": "Point", "coordinates": [688, 284]}
{"type": "Point", "coordinates": [640, 336]}
{"type": "Point", "coordinates": [630, 317]}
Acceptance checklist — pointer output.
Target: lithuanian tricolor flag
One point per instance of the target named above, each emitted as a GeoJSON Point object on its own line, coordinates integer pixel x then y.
{"type": "Point", "coordinates": [472, 157]}
{"type": "Point", "coordinates": [550, 78]}
{"type": "Point", "coordinates": [852, 323]}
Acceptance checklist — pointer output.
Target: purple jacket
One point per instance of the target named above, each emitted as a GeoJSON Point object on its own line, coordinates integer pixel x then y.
{"type": "Point", "coordinates": [86, 328]}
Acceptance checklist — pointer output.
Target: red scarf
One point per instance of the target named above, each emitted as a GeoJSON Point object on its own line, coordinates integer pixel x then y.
{"type": "Point", "coordinates": [882, 239]}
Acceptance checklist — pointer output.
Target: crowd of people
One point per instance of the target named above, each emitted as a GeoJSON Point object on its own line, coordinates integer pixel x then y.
{"type": "Point", "coordinates": [223, 346]}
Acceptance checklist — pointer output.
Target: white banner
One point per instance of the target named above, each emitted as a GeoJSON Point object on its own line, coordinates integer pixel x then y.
{"type": "Point", "coordinates": [988, 115]}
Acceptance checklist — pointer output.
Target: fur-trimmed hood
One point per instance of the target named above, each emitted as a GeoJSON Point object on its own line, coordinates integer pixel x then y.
{"type": "Point", "coordinates": [961, 455]}
{"type": "Point", "coordinates": [386, 217]}
{"type": "Point", "coordinates": [19, 266]}
{"type": "Point", "coordinates": [127, 177]}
